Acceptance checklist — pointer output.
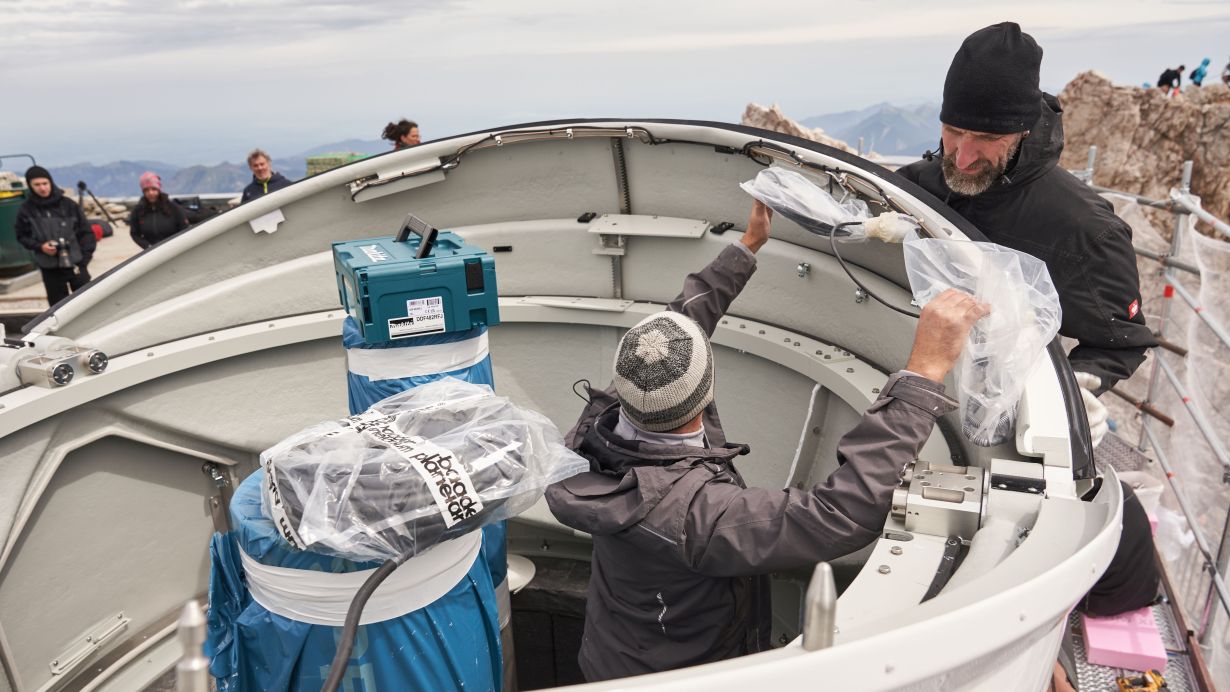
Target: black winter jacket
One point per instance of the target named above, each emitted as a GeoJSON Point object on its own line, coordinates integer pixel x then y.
{"type": "Point", "coordinates": [683, 549]}
{"type": "Point", "coordinates": [259, 188]}
{"type": "Point", "coordinates": [1041, 209]}
{"type": "Point", "coordinates": [151, 224]}
{"type": "Point", "coordinates": [40, 219]}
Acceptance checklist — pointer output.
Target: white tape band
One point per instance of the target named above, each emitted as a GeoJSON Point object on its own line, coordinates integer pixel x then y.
{"type": "Point", "coordinates": [416, 361]}
{"type": "Point", "coordinates": [321, 598]}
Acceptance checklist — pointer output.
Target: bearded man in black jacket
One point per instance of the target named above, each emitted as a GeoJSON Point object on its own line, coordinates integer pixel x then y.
{"type": "Point", "coordinates": [54, 228]}
{"type": "Point", "coordinates": [998, 166]}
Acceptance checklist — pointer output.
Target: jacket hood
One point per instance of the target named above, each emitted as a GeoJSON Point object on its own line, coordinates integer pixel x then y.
{"type": "Point", "coordinates": [629, 478]}
{"type": "Point", "coordinates": [52, 200]}
{"type": "Point", "coordinates": [273, 177]}
{"type": "Point", "coordinates": [1039, 151]}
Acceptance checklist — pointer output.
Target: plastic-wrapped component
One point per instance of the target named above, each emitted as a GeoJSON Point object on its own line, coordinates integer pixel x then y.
{"type": "Point", "coordinates": [1003, 346]}
{"type": "Point", "coordinates": [798, 198]}
{"type": "Point", "coordinates": [417, 468]}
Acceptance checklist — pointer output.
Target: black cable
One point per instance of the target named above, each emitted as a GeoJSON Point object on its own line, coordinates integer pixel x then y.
{"type": "Point", "coordinates": [341, 659]}
{"type": "Point", "coordinates": [833, 244]}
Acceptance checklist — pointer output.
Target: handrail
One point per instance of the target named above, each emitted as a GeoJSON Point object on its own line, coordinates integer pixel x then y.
{"type": "Point", "coordinates": [1210, 562]}
{"type": "Point", "coordinates": [1202, 423]}
{"type": "Point", "coordinates": [1181, 204]}
{"type": "Point", "coordinates": [1184, 200]}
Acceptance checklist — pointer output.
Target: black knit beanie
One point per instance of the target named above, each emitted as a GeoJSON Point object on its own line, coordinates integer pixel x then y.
{"type": "Point", "coordinates": [37, 172]}
{"type": "Point", "coordinates": [992, 85]}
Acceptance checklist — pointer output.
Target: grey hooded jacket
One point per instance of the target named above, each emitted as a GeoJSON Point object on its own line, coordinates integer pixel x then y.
{"type": "Point", "coordinates": [682, 548]}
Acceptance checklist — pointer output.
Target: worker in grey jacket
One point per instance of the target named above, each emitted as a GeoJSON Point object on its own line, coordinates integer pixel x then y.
{"type": "Point", "coordinates": [682, 548]}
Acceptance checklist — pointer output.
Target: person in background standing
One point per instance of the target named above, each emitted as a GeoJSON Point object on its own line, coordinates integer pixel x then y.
{"type": "Point", "coordinates": [264, 179]}
{"type": "Point", "coordinates": [1197, 76]}
{"type": "Point", "coordinates": [156, 217]}
{"type": "Point", "coordinates": [54, 228]}
{"type": "Point", "coordinates": [1225, 75]}
{"type": "Point", "coordinates": [403, 134]}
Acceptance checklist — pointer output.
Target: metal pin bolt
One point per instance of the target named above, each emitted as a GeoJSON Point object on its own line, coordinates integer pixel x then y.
{"type": "Point", "coordinates": [875, 390]}
{"type": "Point", "coordinates": [761, 331]}
{"type": "Point", "coordinates": [885, 569]}
{"type": "Point", "coordinates": [849, 369]}
{"type": "Point", "coordinates": [860, 295]}
{"type": "Point", "coordinates": [786, 340]}
{"type": "Point", "coordinates": [895, 550]}
{"type": "Point", "coordinates": [827, 356]}
{"type": "Point", "coordinates": [803, 269]}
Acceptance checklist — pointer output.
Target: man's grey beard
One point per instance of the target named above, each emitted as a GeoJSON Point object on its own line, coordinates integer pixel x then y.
{"type": "Point", "coordinates": [970, 184]}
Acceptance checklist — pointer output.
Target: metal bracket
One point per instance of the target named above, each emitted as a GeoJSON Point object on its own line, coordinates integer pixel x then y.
{"type": "Point", "coordinates": [92, 640]}
{"type": "Point", "coordinates": [219, 505]}
{"type": "Point", "coordinates": [942, 500]}
{"type": "Point", "coordinates": [613, 245]}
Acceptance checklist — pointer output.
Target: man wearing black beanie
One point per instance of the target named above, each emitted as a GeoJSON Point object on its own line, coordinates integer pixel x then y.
{"type": "Point", "coordinates": [53, 227]}
{"type": "Point", "coordinates": [1001, 138]}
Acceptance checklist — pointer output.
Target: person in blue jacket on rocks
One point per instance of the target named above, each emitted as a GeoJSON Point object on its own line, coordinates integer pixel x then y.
{"type": "Point", "coordinates": [1202, 70]}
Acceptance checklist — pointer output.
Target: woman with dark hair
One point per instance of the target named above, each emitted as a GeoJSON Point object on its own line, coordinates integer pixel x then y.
{"type": "Point", "coordinates": [403, 134]}
{"type": "Point", "coordinates": [155, 217]}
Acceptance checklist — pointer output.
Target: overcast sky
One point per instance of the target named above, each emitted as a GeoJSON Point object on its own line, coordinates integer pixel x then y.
{"type": "Point", "coordinates": [203, 82]}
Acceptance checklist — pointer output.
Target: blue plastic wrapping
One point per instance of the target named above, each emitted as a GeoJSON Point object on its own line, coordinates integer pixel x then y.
{"type": "Point", "coordinates": [453, 643]}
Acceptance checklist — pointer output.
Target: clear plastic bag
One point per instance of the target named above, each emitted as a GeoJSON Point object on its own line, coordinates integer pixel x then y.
{"type": "Point", "coordinates": [1003, 346]}
{"type": "Point", "coordinates": [799, 199]}
{"type": "Point", "coordinates": [420, 467]}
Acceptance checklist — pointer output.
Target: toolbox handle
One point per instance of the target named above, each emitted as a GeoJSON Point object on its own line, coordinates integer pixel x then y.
{"type": "Point", "coordinates": [426, 233]}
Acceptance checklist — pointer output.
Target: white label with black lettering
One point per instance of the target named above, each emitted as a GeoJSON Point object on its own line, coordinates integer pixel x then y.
{"type": "Point", "coordinates": [277, 511]}
{"type": "Point", "coordinates": [423, 316]}
{"type": "Point", "coordinates": [446, 478]}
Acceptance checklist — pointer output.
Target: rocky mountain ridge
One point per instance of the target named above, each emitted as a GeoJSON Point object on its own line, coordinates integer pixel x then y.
{"type": "Point", "coordinates": [1143, 137]}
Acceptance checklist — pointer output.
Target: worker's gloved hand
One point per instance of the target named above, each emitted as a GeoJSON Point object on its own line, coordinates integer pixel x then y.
{"type": "Point", "coordinates": [1095, 410]}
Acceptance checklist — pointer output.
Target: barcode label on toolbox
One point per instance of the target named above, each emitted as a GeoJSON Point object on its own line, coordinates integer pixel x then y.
{"type": "Point", "coordinates": [424, 316]}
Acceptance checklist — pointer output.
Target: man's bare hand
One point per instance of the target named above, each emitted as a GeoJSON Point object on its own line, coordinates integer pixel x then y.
{"type": "Point", "coordinates": [48, 248]}
{"type": "Point", "coordinates": [758, 223]}
{"type": "Point", "coordinates": [942, 329]}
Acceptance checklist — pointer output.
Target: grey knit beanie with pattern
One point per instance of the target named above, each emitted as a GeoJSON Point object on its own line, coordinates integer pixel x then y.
{"type": "Point", "coordinates": [664, 372]}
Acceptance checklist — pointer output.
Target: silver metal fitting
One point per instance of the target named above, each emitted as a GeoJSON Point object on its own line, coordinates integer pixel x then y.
{"type": "Point", "coordinates": [942, 500]}
{"type": "Point", "coordinates": [46, 370]}
{"type": "Point", "coordinates": [803, 269]}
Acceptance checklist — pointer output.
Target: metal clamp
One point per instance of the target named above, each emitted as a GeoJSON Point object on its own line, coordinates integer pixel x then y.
{"type": "Point", "coordinates": [942, 500]}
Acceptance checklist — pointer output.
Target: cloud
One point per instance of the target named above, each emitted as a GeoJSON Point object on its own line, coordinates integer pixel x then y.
{"type": "Point", "coordinates": [65, 29]}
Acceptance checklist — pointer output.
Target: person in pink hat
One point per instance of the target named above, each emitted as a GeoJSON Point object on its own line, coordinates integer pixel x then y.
{"type": "Point", "coordinates": [155, 217]}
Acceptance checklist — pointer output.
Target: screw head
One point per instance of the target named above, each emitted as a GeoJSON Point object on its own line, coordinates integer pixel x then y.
{"type": "Point", "coordinates": [885, 569]}
{"type": "Point", "coordinates": [895, 550]}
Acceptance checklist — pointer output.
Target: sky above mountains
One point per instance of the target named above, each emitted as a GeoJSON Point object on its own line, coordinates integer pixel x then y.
{"type": "Point", "coordinates": [207, 81]}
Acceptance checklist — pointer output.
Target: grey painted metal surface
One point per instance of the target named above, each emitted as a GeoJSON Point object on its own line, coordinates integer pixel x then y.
{"type": "Point", "coordinates": [225, 339]}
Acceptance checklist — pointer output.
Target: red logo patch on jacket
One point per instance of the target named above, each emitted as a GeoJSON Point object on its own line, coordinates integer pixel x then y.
{"type": "Point", "coordinates": [1133, 308]}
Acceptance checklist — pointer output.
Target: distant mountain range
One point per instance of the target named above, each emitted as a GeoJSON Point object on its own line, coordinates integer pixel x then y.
{"type": "Point", "coordinates": [119, 178]}
{"type": "Point", "coordinates": [885, 128]}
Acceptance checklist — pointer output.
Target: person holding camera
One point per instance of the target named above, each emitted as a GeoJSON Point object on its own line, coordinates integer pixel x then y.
{"type": "Point", "coordinates": [54, 228]}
